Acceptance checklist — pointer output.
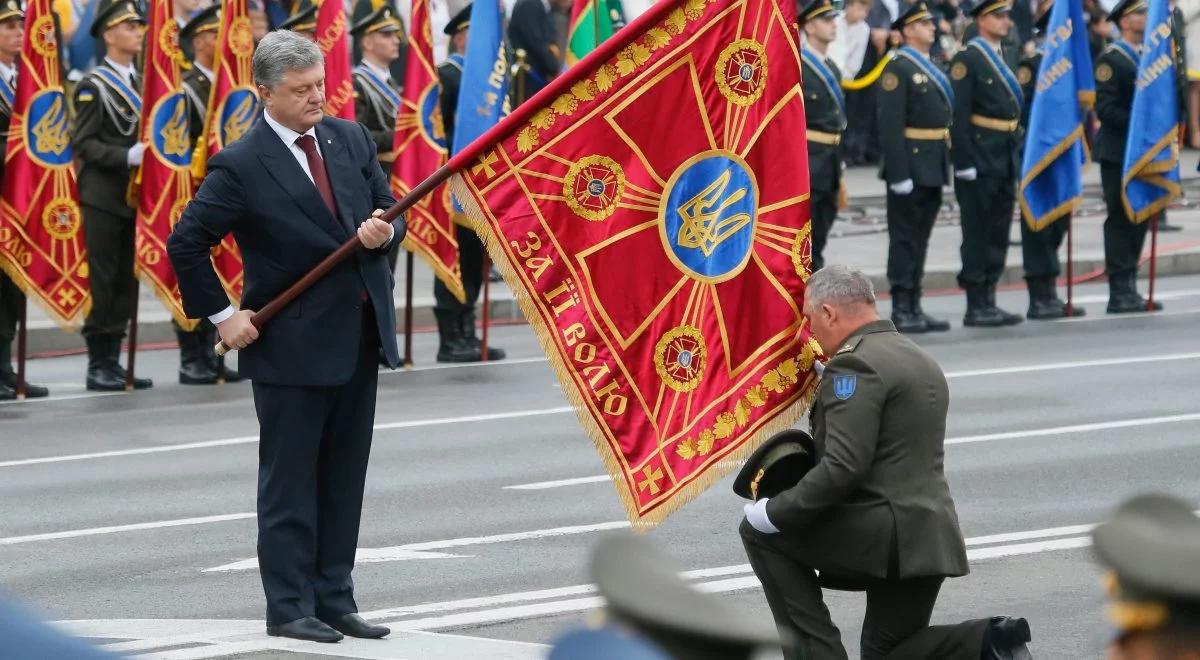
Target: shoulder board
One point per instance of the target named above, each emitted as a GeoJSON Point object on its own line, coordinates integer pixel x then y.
{"type": "Point", "coordinates": [850, 345]}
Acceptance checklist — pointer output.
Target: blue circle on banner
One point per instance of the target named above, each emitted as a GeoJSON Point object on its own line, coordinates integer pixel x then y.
{"type": "Point", "coordinates": [237, 114]}
{"type": "Point", "coordinates": [47, 135]}
{"type": "Point", "coordinates": [432, 128]}
{"type": "Point", "coordinates": [169, 137]}
{"type": "Point", "coordinates": [708, 215]}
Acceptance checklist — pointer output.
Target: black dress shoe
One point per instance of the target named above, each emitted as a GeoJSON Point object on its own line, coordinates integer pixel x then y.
{"type": "Point", "coordinates": [354, 625]}
{"type": "Point", "coordinates": [9, 382]}
{"type": "Point", "coordinates": [309, 629]}
{"type": "Point", "coordinates": [6, 393]}
{"type": "Point", "coordinates": [1130, 303]}
{"type": "Point", "coordinates": [138, 383]}
{"type": "Point", "coordinates": [1006, 638]}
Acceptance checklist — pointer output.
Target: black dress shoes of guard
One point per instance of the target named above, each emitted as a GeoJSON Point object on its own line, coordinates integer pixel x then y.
{"type": "Point", "coordinates": [353, 625]}
{"type": "Point", "coordinates": [1006, 638]}
{"type": "Point", "coordinates": [309, 629]}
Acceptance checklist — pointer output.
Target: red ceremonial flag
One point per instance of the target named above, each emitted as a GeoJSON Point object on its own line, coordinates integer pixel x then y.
{"type": "Point", "coordinates": [41, 242]}
{"type": "Point", "coordinates": [420, 149]}
{"type": "Point", "coordinates": [332, 37]}
{"type": "Point", "coordinates": [233, 107]}
{"type": "Point", "coordinates": [164, 180]}
{"type": "Point", "coordinates": [661, 256]}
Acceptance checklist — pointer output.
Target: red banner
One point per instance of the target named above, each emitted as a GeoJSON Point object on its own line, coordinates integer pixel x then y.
{"type": "Point", "coordinates": [233, 108]}
{"type": "Point", "coordinates": [333, 39]}
{"type": "Point", "coordinates": [164, 180]}
{"type": "Point", "coordinates": [661, 257]}
{"type": "Point", "coordinates": [41, 242]}
{"type": "Point", "coordinates": [421, 147]}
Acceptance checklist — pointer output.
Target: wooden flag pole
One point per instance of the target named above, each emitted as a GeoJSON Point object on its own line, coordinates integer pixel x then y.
{"type": "Point", "coordinates": [1153, 260]}
{"type": "Point", "coordinates": [133, 333]}
{"type": "Point", "coordinates": [487, 307]}
{"type": "Point", "coordinates": [22, 346]}
{"type": "Point", "coordinates": [408, 310]}
{"type": "Point", "coordinates": [1070, 267]}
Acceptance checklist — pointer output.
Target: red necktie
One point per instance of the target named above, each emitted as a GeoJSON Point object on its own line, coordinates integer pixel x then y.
{"type": "Point", "coordinates": [316, 165]}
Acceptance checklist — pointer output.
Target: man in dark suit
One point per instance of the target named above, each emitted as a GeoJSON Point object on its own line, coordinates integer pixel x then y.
{"type": "Point", "coordinates": [291, 191]}
{"type": "Point", "coordinates": [915, 110]}
{"type": "Point", "coordinates": [531, 29]}
{"type": "Point", "coordinates": [825, 117]}
{"type": "Point", "coordinates": [875, 512]}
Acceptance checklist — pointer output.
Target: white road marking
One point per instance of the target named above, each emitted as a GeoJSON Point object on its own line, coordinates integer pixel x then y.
{"type": "Point", "coordinates": [1158, 295]}
{"type": "Point", "coordinates": [1126, 317]}
{"type": "Point", "coordinates": [116, 529]}
{"type": "Point", "coordinates": [1080, 364]}
{"type": "Point", "coordinates": [543, 485]}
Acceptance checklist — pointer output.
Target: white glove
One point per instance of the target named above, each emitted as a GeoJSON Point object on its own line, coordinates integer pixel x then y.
{"type": "Point", "coordinates": [819, 367]}
{"type": "Point", "coordinates": [968, 174]}
{"type": "Point", "coordinates": [905, 187]}
{"type": "Point", "coordinates": [756, 515]}
{"type": "Point", "coordinates": [134, 157]}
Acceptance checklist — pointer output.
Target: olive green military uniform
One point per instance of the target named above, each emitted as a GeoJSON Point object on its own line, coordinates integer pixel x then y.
{"type": "Point", "coordinates": [875, 510]}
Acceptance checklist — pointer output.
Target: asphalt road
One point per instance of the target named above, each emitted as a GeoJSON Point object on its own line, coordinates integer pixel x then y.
{"type": "Point", "coordinates": [130, 517]}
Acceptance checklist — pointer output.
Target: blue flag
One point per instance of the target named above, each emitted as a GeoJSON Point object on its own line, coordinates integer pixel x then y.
{"type": "Point", "coordinates": [483, 96]}
{"type": "Point", "coordinates": [1150, 177]}
{"type": "Point", "coordinates": [1051, 183]}
{"type": "Point", "coordinates": [82, 49]}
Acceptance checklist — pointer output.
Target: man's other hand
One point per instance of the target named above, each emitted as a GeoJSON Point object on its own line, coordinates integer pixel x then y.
{"type": "Point", "coordinates": [237, 331]}
{"type": "Point", "coordinates": [373, 232]}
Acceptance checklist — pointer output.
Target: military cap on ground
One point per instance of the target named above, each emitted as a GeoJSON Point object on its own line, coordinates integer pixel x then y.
{"type": "Point", "coordinates": [985, 7]}
{"type": "Point", "coordinates": [1126, 7]}
{"type": "Point", "coordinates": [207, 20]}
{"type": "Point", "coordinates": [643, 591]}
{"type": "Point", "coordinates": [777, 465]}
{"type": "Point", "coordinates": [303, 18]}
{"type": "Point", "coordinates": [1152, 546]}
{"type": "Point", "coordinates": [460, 21]}
{"type": "Point", "coordinates": [367, 19]}
{"type": "Point", "coordinates": [11, 9]}
{"type": "Point", "coordinates": [114, 12]}
{"type": "Point", "coordinates": [817, 9]}
{"type": "Point", "coordinates": [915, 13]}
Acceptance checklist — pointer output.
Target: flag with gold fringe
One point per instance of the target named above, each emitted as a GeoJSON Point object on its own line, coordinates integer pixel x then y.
{"type": "Point", "coordinates": [1150, 174]}
{"type": "Point", "coordinates": [41, 237]}
{"type": "Point", "coordinates": [164, 181]}
{"type": "Point", "coordinates": [420, 149]}
{"type": "Point", "coordinates": [661, 256]}
{"type": "Point", "coordinates": [333, 39]}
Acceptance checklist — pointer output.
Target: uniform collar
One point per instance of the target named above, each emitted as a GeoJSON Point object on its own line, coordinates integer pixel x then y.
{"type": "Point", "coordinates": [126, 72]}
{"type": "Point", "coordinates": [382, 74]}
{"type": "Point", "coordinates": [9, 73]}
{"type": "Point", "coordinates": [882, 325]}
{"type": "Point", "coordinates": [208, 73]}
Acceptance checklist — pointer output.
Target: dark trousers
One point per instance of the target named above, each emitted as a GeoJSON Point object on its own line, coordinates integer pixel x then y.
{"type": "Point", "coordinates": [470, 256]}
{"type": "Point", "coordinates": [1039, 249]}
{"type": "Point", "coordinates": [109, 241]}
{"type": "Point", "coordinates": [987, 213]}
{"type": "Point", "coordinates": [1123, 239]}
{"type": "Point", "coordinates": [11, 302]}
{"type": "Point", "coordinates": [314, 443]}
{"type": "Point", "coordinates": [824, 211]}
{"type": "Point", "coordinates": [910, 221]}
{"type": "Point", "coordinates": [896, 624]}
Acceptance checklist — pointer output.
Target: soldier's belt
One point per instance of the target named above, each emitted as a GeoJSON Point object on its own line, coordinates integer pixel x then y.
{"type": "Point", "coordinates": [821, 137]}
{"type": "Point", "coordinates": [1002, 125]}
{"type": "Point", "coordinates": [926, 133]}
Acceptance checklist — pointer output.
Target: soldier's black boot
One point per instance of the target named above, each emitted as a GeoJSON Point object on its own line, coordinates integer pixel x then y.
{"type": "Point", "coordinates": [194, 369]}
{"type": "Point", "coordinates": [903, 315]}
{"type": "Point", "coordinates": [1006, 638]}
{"type": "Point", "coordinates": [1009, 317]}
{"type": "Point", "coordinates": [1123, 297]}
{"type": "Point", "coordinates": [8, 378]}
{"type": "Point", "coordinates": [216, 362]}
{"type": "Point", "coordinates": [1043, 304]}
{"type": "Point", "coordinates": [452, 346]}
{"type": "Point", "coordinates": [102, 375]}
{"type": "Point", "coordinates": [980, 314]}
{"type": "Point", "coordinates": [467, 322]}
{"type": "Point", "coordinates": [931, 324]}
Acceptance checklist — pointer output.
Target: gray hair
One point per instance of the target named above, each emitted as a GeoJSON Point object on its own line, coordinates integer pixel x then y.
{"type": "Point", "coordinates": [839, 284]}
{"type": "Point", "coordinates": [282, 51]}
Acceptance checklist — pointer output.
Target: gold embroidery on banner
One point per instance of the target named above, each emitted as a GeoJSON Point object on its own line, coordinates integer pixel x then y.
{"type": "Point", "coordinates": [741, 72]}
{"type": "Point", "coordinates": [703, 228]}
{"type": "Point", "coordinates": [802, 252]}
{"type": "Point", "coordinates": [241, 37]}
{"type": "Point", "coordinates": [680, 357]}
{"type": "Point", "coordinates": [42, 32]}
{"type": "Point", "coordinates": [593, 187]}
{"type": "Point", "coordinates": [168, 41]}
{"type": "Point", "coordinates": [50, 133]}
{"type": "Point", "coordinates": [650, 478]}
{"type": "Point", "coordinates": [61, 218]}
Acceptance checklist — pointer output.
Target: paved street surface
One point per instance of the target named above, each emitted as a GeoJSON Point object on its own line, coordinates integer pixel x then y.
{"type": "Point", "coordinates": [129, 518]}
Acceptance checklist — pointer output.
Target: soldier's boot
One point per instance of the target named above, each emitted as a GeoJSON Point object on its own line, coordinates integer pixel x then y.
{"type": "Point", "coordinates": [1009, 317]}
{"type": "Point", "coordinates": [1044, 305]}
{"type": "Point", "coordinates": [8, 378]}
{"type": "Point", "coordinates": [1123, 297]}
{"type": "Point", "coordinates": [1006, 638]}
{"type": "Point", "coordinates": [193, 367]}
{"type": "Point", "coordinates": [452, 346]}
{"type": "Point", "coordinates": [102, 374]}
{"type": "Point", "coordinates": [217, 362]}
{"type": "Point", "coordinates": [980, 314]}
{"type": "Point", "coordinates": [931, 324]}
{"type": "Point", "coordinates": [903, 316]}
{"type": "Point", "coordinates": [467, 321]}
{"type": "Point", "coordinates": [113, 369]}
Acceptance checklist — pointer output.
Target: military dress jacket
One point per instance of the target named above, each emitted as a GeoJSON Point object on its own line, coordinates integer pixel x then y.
{"type": "Point", "coordinates": [988, 102]}
{"type": "Point", "coordinates": [1116, 73]}
{"type": "Point", "coordinates": [825, 119]}
{"type": "Point", "coordinates": [197, 87]}
{"type": "Point", "coordinates": [877, 504]}
{"type": "Point", "coordinates": [107, 116]}
{"type": "Point", "coordinates": [375, 103]}
{"type": "Point", "coordinates": [914, 122]}
{"type": "Point", "coordinates": [1027, 74]}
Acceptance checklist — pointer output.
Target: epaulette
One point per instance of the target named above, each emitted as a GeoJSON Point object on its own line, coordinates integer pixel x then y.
{"type": "Point", "coordinates": [848, 347]}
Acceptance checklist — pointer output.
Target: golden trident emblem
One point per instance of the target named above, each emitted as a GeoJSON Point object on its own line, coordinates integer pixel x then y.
{"type": "Point", "coordinates": [239, 120]}
{"type": "Point", "coordinates": [703, 227]}
{"type": "Point", "coordinates": [50, 133]}
{"type": "Point", "coordinates": [176, 141]}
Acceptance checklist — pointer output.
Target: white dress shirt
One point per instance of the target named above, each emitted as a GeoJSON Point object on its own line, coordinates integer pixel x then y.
{"type": "Point", "coordinates": [125, 71]}
{"type": "Point", "coordinates": [381, 73]}
{"type": "Point", "coordinates": [9, 73]}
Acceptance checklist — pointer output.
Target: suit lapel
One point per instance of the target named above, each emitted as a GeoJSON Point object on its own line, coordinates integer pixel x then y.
{"type": "Point", "coordinates": [339, 167]}
{"type": "Point", "coordinates": [278, 160]}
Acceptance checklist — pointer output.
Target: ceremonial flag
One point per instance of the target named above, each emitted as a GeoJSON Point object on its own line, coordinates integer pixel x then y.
{"type": "Point", "coordinates": [81, 51]}
{"type": "Point", "coordinates": [592, 22]}
{"type": "Point", "coordinates": [483, 94]}
{"type": "Point", "coordinates": [1051, 173]}
{"type": "Point", "coordinates": [41, 242]}
{"type": "Point", "coordinates": [164, 180]}
{"type": "Point", "coordinates": [233, 107]}
{"type": "Point", "coordinates": [661, 255]}
{"type": "Point", "coordinates": [420, 148]}
{"type": "Point", "coordinates": [1150, 176]}
{"type": "Point", "coordinates": [333, 39]}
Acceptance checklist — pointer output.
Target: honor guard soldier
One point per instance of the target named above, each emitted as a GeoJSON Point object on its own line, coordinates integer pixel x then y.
{"type": "Point", "coordinates": [863, 501]}
{"type": "Point", "coordinates": [303, 19]}
{"type": "Point", "coordinates": [105, 141]}
{"type": "Point", "coordinates": [825, 116]}
{"type": "Point", "coordinates": [915, 109]}
{"type": "Point", "coordinates": [986, 139]}
{"type": "Point", "coordinates": [457, 341]}
{"type": "Point", "coordinates": [1116, 74]}
{"type": "Point", "coordinates": [1151, 548]}
{"type": "Point", "coordinates": [12, 27]}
